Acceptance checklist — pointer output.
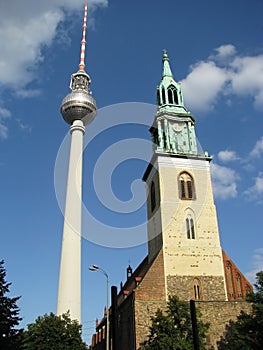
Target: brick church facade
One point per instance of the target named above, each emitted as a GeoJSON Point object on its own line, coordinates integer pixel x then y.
{"type": "Point", "coordinates": [185, 257]}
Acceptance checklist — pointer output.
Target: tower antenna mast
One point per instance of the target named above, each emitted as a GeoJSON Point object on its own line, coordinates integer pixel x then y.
{"type": "Point", "coordinates": [83, 41]}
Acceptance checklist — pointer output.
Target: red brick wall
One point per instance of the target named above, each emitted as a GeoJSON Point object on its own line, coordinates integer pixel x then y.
{"type": "Point", "coordinates": [149, 296]}
{"type": "Point", "coordinates": [152, 286]}
{"type": "Point", "coordinates": [237, 285]}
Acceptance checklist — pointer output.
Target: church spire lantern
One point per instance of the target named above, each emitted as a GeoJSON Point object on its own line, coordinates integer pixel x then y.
{"type": "Point", "coordinates": [169, 94]}
{"type": "Point", "coordinates": [173, 130]}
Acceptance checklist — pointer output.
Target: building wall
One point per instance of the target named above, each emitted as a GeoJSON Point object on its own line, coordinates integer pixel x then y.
{"type": "Point", "coordinates": [149, 296]}
{"type": "Point", "coordinates": [218, 314]}
{"type": "Point", "coordinates": [126, 326]}
{"type": "Point", "coordinates": [154, 225]}
{"type": "Point", "coordinates": [210, 287]}
{"type": "Point", "coordinates": [144, 310]}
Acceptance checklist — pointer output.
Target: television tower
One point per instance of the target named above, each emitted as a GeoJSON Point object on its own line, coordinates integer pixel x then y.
{"type": "Point", "coordinates": [78, 109]}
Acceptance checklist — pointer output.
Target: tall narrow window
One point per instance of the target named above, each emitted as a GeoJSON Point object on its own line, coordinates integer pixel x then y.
{"type": "Point", "coordinates": [158, 97]}
{"type": "Point", "coordinates": [163, 96]}
{"type": "Point", "coordinates": [189, 189]}
{"type": "Point", "coordinates": [188, 232]}
{"type": "Point", "coordinates": [153, 199]}
{"type": "Point", "coordinates": [190, 228]}
{"type": "Point", "coordinates": [186, 186]}
{"type": "Point", "coordinates": [170, 96]}
{"type": "Point", "coordinates": [197, 292]}
{"type": "Point", "coordinates": [175, 97]}
{"type": "Point", "coordinates": [182, 189]}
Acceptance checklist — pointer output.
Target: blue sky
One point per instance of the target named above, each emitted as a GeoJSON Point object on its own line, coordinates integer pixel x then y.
{"type": "Point", "coordinates": [215, 50]}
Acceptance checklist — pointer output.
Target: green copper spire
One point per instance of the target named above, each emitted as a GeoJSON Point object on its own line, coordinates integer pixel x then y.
{"type": "Point", "coordinates": [169, 93]}
{"type": "Point", "coordinates": [166, 66]}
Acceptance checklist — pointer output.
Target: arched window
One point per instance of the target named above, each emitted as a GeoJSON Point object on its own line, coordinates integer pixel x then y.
{"type": "Point", "coordinates": [163, 96]}
{"type": "Point", "coordinates": [190, 224]}
{"type": "Point", "coordinates": [186, 186]}
{"type": "Point", "coordinates": [196, 290]}
{"type": "Point", "coordinates": [153, 198]}
{"type": "Point", "coordinates": [172, 95]}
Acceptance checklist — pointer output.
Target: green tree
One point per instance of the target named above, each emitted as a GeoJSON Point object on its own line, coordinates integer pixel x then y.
{"type": "Point", "coordinates": [10, 336]}
{"type": "Point", "coordinates": [246, 333]}
{"type": "Point", "coordinates": [172, 329]}
{"type": "Point", "coordinates": [51, 332]}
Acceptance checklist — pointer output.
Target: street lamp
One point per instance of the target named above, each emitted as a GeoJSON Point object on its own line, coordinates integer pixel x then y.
{"type": "Point", "coordinates": [99, 269]}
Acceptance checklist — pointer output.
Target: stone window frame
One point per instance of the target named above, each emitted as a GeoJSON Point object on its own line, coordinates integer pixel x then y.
{"type": "Point", "coordinates": [197, 289]}
{"type": "Point", "coordinates": [190, 227]}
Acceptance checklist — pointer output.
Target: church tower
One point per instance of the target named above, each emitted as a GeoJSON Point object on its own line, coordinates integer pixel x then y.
{"type": "Point", "coordinates": [182, 218]}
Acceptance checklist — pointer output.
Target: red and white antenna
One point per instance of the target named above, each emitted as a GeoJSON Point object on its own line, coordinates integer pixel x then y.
{"type": "Point", "coordinates": [83, 41]}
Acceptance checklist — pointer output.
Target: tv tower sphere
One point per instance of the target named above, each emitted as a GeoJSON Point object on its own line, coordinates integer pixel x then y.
{"type": "Point", "coordinates": [79, 103]}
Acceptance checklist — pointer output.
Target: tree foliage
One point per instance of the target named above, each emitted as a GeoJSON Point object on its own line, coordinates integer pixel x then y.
{"type": "Point", "coordinates": [246, 333]}
{"type": "Point", "coordinates": [51, 332]}
{"type": "Point", "coordinates": [9, 315]}
{"type": "Point", "coordinates": [172, 329]}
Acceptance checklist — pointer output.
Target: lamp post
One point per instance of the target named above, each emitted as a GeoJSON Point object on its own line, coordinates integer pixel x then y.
{"type": "Point", "coordinates": [99, 269]}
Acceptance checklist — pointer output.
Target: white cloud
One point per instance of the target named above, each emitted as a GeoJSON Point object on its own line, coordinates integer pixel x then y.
{"type": "Point", "coordinates": [27, 93]}
{"type": "Point", "coordinates": [203, 84]}
{"type": "Point", "coordinates": [247, 78]}
{"type": "Point", "coordinates": [224, 181]}
{"type": "Point", "coordinates": [256, 190]}
{"type": "Point", "coordinates": [25, 27]}
{"type": "Point", "coordinates": [23, 126]}
{"type": "Point", "coordinates": [4, 114]}
{"type": "Point", "coordinates": [223, 53]}
{"type": "Point", "coordinates": [227, 156]}
{"type": "Point", "coordinates": [258, 149]}
{"type": "Point", "coordinates": [224, 74]}
{"type": "Point", "coordinates": [257, 265]}
{"type": "Point", "coordinates": [25, 50]}
{"type": "Point", "coordinates": [3, 131]}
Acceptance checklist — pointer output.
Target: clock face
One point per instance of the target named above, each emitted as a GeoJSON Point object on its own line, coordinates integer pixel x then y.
{"type": "Point", "coordinates": [177, 127]}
